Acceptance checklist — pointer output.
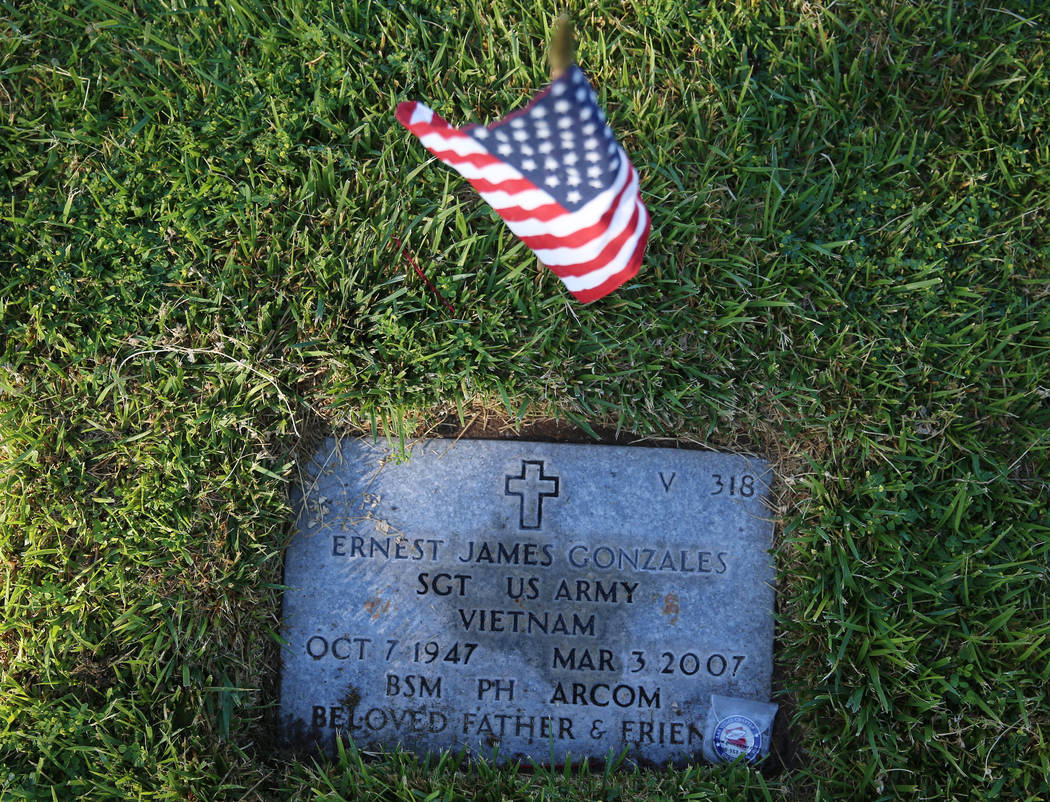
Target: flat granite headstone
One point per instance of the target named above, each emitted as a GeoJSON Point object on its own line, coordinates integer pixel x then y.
{"type": "Point", "coordinates": [528, 599]}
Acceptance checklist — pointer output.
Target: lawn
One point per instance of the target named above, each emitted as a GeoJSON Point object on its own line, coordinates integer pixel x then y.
{"type": "Point", "coordinates": [849, 274]}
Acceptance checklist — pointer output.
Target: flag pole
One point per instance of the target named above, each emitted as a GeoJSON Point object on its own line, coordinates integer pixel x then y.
{"type": "Point", "coordinates": [560, 54]}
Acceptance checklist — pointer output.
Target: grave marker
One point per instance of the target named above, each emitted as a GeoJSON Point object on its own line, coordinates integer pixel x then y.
{"type": "Point", "coordinates": [536, 599]}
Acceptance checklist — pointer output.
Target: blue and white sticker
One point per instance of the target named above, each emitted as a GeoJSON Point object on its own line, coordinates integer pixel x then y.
{"type": "Point", "coordinates": [736, 736]}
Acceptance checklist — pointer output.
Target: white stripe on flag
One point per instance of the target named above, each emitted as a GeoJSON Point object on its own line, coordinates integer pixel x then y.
{"type": "Point", "coordinates": [462, 145]}
{"type": "Point", "coordinates": [528, 200]}
{"type": "Point", "coordinates": [587, 215]}
{"type": "Point", "coordinates": [557, 257]}
{"type": "Point", "coordinates": [421, 114]}
{"type": "Point", "coordinates": [495, 173]}
{"type": "Point", "coordinates": [596, 277]}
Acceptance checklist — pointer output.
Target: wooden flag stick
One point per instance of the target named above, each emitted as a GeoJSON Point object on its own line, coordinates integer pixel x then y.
{"type": "Point", "coordinates": [560, 56]}
{"type": "Point", "coordinates": [562, 45]}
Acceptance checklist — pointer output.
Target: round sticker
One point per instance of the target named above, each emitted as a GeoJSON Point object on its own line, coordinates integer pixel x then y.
{"type": "Point", "coordinates": [735, 736]}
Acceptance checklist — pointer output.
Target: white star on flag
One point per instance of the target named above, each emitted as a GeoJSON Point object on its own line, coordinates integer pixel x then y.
{"type": "Point", "coordinates": [593, 236]}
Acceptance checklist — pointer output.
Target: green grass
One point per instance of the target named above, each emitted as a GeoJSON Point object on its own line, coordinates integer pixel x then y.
{"type": "Point", "coordinates": [849, 272]}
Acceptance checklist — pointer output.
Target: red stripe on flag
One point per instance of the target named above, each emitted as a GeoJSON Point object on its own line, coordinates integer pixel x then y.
{"type": "Point", "coordinates": [608, 253]}
{"type": "Point", "coordinates": [545, 213]}
{"type": "Point", "coordinates": [614, 281]}
{"type": "Point", "coordinates": [437, 124]}
{"type": "Point", "coordinates": [583, 235]}
{"type": "Point", "coordinates": [510, 186]}
{"type": "Point", "coordinates": [404, 111]}
{"type": "Point", "coordinates": [452, 158]}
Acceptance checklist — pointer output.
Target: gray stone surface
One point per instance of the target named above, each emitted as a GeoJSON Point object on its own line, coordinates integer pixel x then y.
{"type": "Point", "coordinates": [539, 599]}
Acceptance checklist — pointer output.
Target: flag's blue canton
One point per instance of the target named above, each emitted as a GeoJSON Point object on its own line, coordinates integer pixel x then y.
{"type": "Point", "coordinates": [560, 142]}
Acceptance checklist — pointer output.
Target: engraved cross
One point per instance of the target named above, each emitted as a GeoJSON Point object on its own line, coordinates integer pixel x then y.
{"type": "Point", "coordinates": [531, 487]}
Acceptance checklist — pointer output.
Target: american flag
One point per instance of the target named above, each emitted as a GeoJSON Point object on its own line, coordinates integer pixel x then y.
{"type": "Point", "coordinates": [557, 176]}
